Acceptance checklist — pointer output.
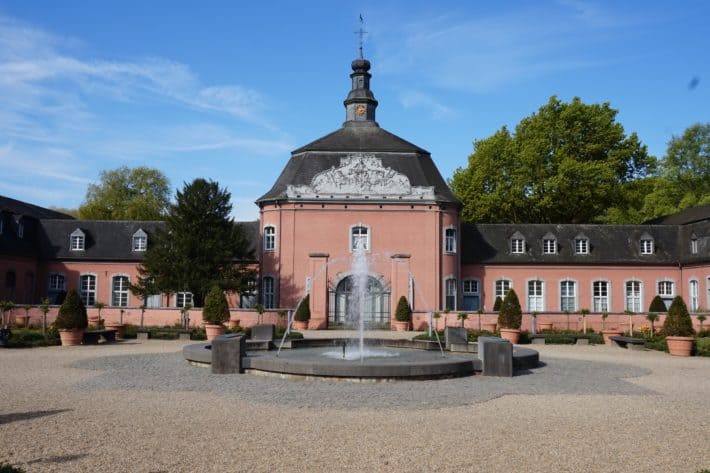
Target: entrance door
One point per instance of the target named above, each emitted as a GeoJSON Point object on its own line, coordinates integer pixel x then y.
{"type": "Point", "coordinates": [345, 304]}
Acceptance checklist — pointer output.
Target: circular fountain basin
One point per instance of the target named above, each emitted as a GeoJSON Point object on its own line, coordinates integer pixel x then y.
{"type": "Point", "coordinates": [387, 364]}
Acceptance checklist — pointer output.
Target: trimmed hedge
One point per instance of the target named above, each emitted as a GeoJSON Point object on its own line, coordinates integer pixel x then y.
{"type": "Point", "coordinates": [678, 322]}
{"type": "Point", "coordinates": [511, 315]}
{"type": "Point", "coordinates": [657, 305]}
{"type": "Point", "coordinates": [403, 312]}
{"type": "Point", "coordinates": [72, 313]}
{"type": "Point", "coordinates": [216, 309]}
{"type": "Point", "coordinates": [496, 305]}
{"type": "Point", "coordinates": [303, 313]}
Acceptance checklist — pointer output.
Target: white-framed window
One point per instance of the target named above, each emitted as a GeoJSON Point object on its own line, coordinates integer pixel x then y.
{"type": "Point", "coordinates": [359, 238]}
{"type": "Point", "coordinates": [119, 291]}
{"type": "Point", "coordinates": [140, 240]}
{"type": "Point", "coordinates": [183, 298]}
{"type": "Point", "coordinates": [646, 246]}
{"type": "Point", "coordinates": [77, 240]}
{"type": "Point", "coordinates": [536, 297]}
{"type": "Point", "coordinates": [450, 240]}
{"type": "Point", "coordinates": [450, 299]}
{"type": "Point", "coordinates": [694, 295]}
{"type": "Point", "coordinates": [2, 224]}
{"type": "Point", "coordinates": [247, 298]}
{"type": "Point", "coordinates": [632, 301]}
{"type": "Point", "coordinates": [268, 293]}
{"type": "Point", "coordinates": [517, 246]}
{"type": "Point", "coordinates": [502, 286]}
{"type": "Point", "coordinates": [471, 294]}
{"type": "Point", "coordinates": [600, 296]}
{"type": "Point", "coordinates": [57, 282]}
{"type": "Point", "coordinates": [20, 230]}
{"type": "Point", "coordinates": [666, 288]}
{"type": "Point", "coordinates": [581, 245]}
{"type": "Point", "coordinates": [87, 289]}
{"type": "Point", "coordinates": [693, 246]}
{"type": "Point", "coordinates": [568, 296]}
{"type": "Point", "coordinates": [549, 246]}
{"type": "Point", "coordinates": [269, 238]}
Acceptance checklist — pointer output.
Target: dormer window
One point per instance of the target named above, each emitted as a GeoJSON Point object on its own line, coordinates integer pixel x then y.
{"type": "Point", "coordinates": [581, 245]}
{"type": "Point", "coordinates": [140, 240]}
{"type": "Point", "coordinates": [20, 230]}
{"type": "Point", "coordinates": [646, 244]}
{"type": "Point", "coordinates": [693, 244]}
{"type": "Point", "coordinates": [549, 244]}
{"type": "Point", "coordinates": [77, 240]}
{"type": "Point", "coordinates": [517, 243]}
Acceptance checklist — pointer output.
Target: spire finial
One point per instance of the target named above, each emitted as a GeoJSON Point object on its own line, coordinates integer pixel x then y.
{"type": "Point", "coordinates": [361, 32]}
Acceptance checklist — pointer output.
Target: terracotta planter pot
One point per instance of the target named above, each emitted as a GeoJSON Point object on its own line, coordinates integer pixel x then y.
{"type": "Point", "coordinates": [119, 328]}
{"type": "Point", "coordinates": [608, 333]}
{"type": "Point", "coordinates": [542, 326]}
{"type": "Point", "coordinates": [71, 337]}
{"type": "Point", "coordinates": [489, 327]}
{"type": "Point", "coordinates": [400, 326]}
{"type": "Point", "coordinates": [22, 321]}
{"type": "Point", "coordinates": [233, 323]}
{"type": "Point", "coordinates": [680, 346]}
{"type": "Point", "coordinates": [510, 334]}
{"type": "Point", "coordinates": [213, 330]}
{"type": "Point", "coordinates": [300, 325]}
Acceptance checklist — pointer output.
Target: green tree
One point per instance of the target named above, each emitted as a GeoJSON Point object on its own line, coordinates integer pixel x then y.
{"type": "Point", "coordinates": [216, 310]}
{"type": "Point", "coordinates": [303, 312]}
{"type": "Point", "coordinates": [678, 322]}
{"type": "Point", "coordinates": [684, 174]}
{"type": "Point", "coordinates": [72, 313]}
{"type": "Point", "coordinates": [199, 247]}
{"type": "Point", "coordinates": [403, 313]}
{"type": "Point", "coordinates": [510, 315]}
{"type": "Point", "coordinates": [567, 163]}
{"type": "Point", "coordinates": [139, 193]}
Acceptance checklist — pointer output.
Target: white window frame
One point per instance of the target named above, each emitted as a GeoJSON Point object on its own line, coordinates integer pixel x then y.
{"type": "Point", "coordinates": [535, 301]}
{"type": "Point", "coordinates": [450, 240]}
{"type": "Point", "coordinates": [53, 287]}
{"type": "Point", "coordinates": [501, 280]}
{"type": "Point", "coordinates": [581, 246]}
{"type": "Point", "coordinates": [351, 236]}
{"type": "Point", "coordinates": [647, 247]}
{"type": "Point", "coordinates": [574, 296]}
{"type": "Point", "coordinates": [139, 241]}
{"type": "Point", "coordinates": [88, 296]}
{"type": "Point", "coordinates": [20, 230]}
{"type": "Point", "coordinates": [450, 293]}
{"type": "Point", "coordinates": [665, 283]}
{"type": "Point", "coordinates": [693, 295]}
{"type": "Point", "coordinates": [468, 292]}
{"type": "Point", "coordinates": [2, 224]}
{"type": "Point", "coordinates": [183, 298]}
{"type": "Point", "coordinates": [517, 246]}
{"type": "Point", "coordinates": [77, 240]}
{"type": "Point", "coordinates": [601, 302]}
{"type": "Point", "coordinates": [694, 246]}
{"type": "Point", "coordinates": [269, 238]}
{"type": "Point", "coordinates": [633, 301]}
{"type": "Point", "coordinates": [268, 292]}
{"type": "Point", "coordinates": [123, 293]}
{"type": "Point", "coordinates": [549, 246]}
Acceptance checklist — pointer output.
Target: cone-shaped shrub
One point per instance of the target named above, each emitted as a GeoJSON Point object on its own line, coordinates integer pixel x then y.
{"type": "Point", "coordinates": [678, 323]}
{"type": "Point", "coordinates": [72, 313]}
{"type": "Point", "coordinates": [403, 312]}
{"type": "Point", "coordinates": [657, 305]}
{"type": "Point", "coordinates": [510, 315]}
{"type": "Point", "coordinates": [303, 313]}
{"type": "Point", "coordinates": [216, 309]}
{"type": "Point", "coordinates": [497, 304]}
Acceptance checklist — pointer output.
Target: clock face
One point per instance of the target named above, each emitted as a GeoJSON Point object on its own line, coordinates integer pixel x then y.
{"type": "Point", "coordinates": [360, 110]}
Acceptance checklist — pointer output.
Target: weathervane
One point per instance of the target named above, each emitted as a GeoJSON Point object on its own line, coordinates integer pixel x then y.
{"type": "Point", "coordinates": [361, 32]}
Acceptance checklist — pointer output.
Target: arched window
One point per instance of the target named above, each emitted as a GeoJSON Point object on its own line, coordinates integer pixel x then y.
{"type": "Point", "coordinates": [268, 298]}
{"type": "Point", "coordinates": [632, 302]}
{"type": "Point", "coordinates": [600, 296]}
{"type": "Point", "coordinates": [269, 238]}
{"type": "Point", "coordinates": [568, 296]}
{"type": "Point", "coordinates": [450, 240]}
{"type": "Point", "coordinates": [450, 299]}
{"type": "Point", "coordinates": [471, 294]}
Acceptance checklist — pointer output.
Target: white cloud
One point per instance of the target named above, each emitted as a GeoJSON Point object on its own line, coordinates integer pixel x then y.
{"type": "Point", "coordinates": [416, 99]}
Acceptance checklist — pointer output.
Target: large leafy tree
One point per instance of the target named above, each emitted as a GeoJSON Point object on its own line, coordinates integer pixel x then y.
{"type": "Point", "coordinates": [566, 163]}
{"type": "Point", "coordinates": [200, 246]}
{"type": "Point", "coordinates": [139, 193]}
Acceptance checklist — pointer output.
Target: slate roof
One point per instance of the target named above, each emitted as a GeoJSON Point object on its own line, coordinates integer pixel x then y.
{"type": "Point", "coordinates": [107, 240]}
{"type": "Point", "coordinates": [684, 217]}
{"type": "Point", "coordinates": [23, 208]}
{"type": "Point", "coordinates": [608, 244]}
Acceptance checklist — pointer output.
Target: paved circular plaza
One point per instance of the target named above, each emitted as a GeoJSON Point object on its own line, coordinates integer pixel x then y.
{"type": "Point", "coordinates": [140, 407]}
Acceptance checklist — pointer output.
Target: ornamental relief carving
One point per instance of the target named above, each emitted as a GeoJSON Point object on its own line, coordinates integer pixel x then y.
{"type": "Point", "coordinates": [360, 175]}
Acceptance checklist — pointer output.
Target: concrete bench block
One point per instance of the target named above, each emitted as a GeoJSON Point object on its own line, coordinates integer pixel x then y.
{"type": "Point", "coordinates": [582, 341]}
{"type": "Point", "coordinates": [496, 356]}
{"type": "Point", "coordinates": [263, 332]}
{"type": "Point", "coordinates": [227, 353]}
{"type": "Point", "coordinates": [455, 335]}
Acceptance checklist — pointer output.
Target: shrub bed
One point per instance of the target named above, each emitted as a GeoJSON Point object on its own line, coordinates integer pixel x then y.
{"type": "Point", "coordinates": [28, 338]}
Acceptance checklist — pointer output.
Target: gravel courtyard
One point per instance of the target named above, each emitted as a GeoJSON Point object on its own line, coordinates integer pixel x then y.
{"type": "Point", "coordinates": [138, 407]}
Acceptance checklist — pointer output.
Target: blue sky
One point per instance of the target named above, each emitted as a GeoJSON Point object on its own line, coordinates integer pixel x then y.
{"type": "Point", "coordinates": [225, 90]}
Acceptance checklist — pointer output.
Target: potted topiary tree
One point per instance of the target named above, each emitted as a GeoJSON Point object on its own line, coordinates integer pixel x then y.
{"type": "Point", "coordinates": [584, 313]}
{"type": "Point", "coordinates": [95, 321]}
{"type": "Point", "coordinates": [462, 317]}
{"type": "Point", "coordinates": [497, 304]}
{"type": "Point", "coordinates": [510, 317]}
{"type": "Point", "coordinates": [215, 312]}
{"type": "Point", "coordinates": [71, 320]}
{"type": "Point", "coordinates": [402, 315]}
{"type": "Point", "coordinates": [701, 319]}
{"type": "Point", "coordinates": [303, 314]}
{"type": "Point", "coordinates": [678, 328]}
{"type": "Point", "coordinates": [657, 305]}
{"type": "Point", "coordinates": [652, 317]}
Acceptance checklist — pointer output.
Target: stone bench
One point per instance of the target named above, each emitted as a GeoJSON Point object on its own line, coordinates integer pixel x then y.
{"type": "Point", "coordinates": [147, 333]}
{"type": "Point", "coordinates": [539, 339]}
{"type": "Point", "coordinates": [91, 337]}
{"type": "Point", "coordinates": [628, 342]}
{"type": "Point", "coordinates": [262, 337]}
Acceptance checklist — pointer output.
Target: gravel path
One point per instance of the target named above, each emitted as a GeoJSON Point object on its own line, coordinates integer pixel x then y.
{"type": "Point", "coordinates": [138, 407]}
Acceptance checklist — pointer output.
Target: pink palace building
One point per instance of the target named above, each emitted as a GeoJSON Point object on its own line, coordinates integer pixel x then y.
{"type": "Point", "coordinates": [364, 187]}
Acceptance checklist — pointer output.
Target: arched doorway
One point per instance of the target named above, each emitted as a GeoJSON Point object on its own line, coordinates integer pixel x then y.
{"type": "Point", "coordinates": [344, 304]}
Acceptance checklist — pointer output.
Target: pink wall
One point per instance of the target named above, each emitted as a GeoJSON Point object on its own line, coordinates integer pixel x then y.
{"type": "Point", "coordinates": [25, 270]}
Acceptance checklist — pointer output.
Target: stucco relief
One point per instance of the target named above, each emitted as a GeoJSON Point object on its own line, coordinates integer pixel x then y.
{"type": "Point", "coordinates": [360, 175]}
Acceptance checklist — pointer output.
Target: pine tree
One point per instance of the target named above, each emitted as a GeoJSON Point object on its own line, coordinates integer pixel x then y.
{"type": "Point", "coordinates": [72, 313]}
{"type": "Point", "coordinates": [511, 315]}
{"type": "Point", "coordinates": [678, 322]}
{"type": "Point", "coordinates": [303, 313]}
{"type": "Point", "coordinates": [403, 313]}
{"type": "Point", "coordinates": [657, 305]}
{"type": "Point", "coordinates": [216, 310]}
